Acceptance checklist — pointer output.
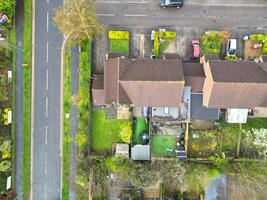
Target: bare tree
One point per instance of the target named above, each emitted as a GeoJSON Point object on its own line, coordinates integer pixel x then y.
{"type": "Point", "coordinates": [76, 20]}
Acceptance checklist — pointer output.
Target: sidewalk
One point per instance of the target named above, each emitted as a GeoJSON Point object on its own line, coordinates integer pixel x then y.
{"type": "Point", "coordinates": [19, 20]}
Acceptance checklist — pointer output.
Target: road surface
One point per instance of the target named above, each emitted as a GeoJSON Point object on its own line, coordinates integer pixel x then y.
{"type": "Point", "coordinates": [46, 163]}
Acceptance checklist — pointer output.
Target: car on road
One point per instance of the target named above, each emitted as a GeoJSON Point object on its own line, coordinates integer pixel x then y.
{"type": "Point", "coordinates": [231, 47]}
{"type": "Point", "coordinates": [195, 49]}
{"type": "Point", "coordinates": [171, 3]}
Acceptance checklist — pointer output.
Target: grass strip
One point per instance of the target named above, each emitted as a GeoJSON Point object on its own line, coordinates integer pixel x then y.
{"type": "Point", "coordinates": [67, 124]}
{"type": "Point", "coordinates": [13, 43]}
{"type": "Point", "coordinates": [27, 99]}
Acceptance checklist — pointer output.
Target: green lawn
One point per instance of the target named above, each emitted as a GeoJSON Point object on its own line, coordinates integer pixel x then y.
{"type": "Point", "coordinates": [160, 144]}
{"type": "Point", "coordinates": [119, 46]}
{"type": "Point", "coordinates": [255, 123]}
{"type": "Point", "coordinates": [105, 132]}
{"type": "Point", "coordinates": [140, 126]}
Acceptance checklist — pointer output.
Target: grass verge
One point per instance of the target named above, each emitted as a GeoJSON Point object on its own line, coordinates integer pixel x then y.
{"type": "Point", "coordinates": [13, 42]}
{"type": "Point", "coordinates": [67, 124]}
{"type": "Point", "coordinates": [27, 99]}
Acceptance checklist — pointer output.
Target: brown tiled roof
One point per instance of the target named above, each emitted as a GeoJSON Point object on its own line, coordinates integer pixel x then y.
{"type": "Point", "coordinates": [194, 76]}
{"type": "Point", "coordinates": [144, 82]}
{"type": "Point", "coordinates": [98, 82]}
{"type": "Point", "coordinates": [237, 71]}
{"type": "Point", "coordinates": [156, 94]}
{"type": "Point", "coordinates": [151, 70]}
{"type": "Point", "coordinates": [234, 84]}
{"type": "Point", "coordinates": [111, 71]}
{"type": "Point", "coordinates": [98, 93]}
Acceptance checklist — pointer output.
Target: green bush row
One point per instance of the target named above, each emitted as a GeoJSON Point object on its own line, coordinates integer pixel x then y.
{"type": "Point", "coordinates": [258, 37]}
{"type": "Point", "coordinates": [167, 34]}
{"type": "Point", "coordinates": [156, 45]}
{"type": "Point", "coordinates": [121, 35]}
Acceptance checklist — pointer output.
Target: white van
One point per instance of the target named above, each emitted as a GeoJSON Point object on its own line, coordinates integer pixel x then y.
{"type": "Point", "coordinates": [231, 47]}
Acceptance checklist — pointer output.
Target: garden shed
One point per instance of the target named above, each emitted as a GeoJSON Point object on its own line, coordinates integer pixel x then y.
{"type": "Point", "coordinates": [122, 150]}
{"type": "Point", "coordinates": [140, 152]}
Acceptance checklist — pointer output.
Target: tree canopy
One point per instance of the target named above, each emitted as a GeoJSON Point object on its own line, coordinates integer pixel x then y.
{"type": "Point", "coordinates": [76, 20]}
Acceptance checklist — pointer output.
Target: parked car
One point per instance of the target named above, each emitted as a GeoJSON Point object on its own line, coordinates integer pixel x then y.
{"type": "Point", "coordinates": [171, 3]}
{"type": "Point", "coordinates": [231, 47]}
{"type": "Point", "coordinates": [195, 49]}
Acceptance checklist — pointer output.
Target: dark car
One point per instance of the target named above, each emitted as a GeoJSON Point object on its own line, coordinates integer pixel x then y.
{"type": "Point", "coordinates": [171, 3]}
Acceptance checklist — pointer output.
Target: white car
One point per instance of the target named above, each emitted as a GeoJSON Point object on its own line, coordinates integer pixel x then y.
{"type": "Point", "coordinates": [231, 47]}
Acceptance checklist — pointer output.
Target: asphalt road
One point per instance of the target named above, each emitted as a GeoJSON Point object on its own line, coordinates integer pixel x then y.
{"type": "Point", "coordinates": [46, 164]}
{"type": "Point", "coordinates": [148, 14]}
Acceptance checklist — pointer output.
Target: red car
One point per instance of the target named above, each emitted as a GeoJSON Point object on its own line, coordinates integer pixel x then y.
{"type": "Point", "coordinates": [195, 49]}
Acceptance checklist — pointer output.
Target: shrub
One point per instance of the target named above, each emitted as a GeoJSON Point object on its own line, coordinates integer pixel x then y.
{"type": "Point", "coordinates": [126, 132]}
{"type": "Point", "coordinates": [211, 42]}
{"type": "Point", "coordinates": [167, 34]}
{"type": "Point", "coordinates": [121, 35]}
{"type": "Point", "coordinates": [231, 57]}
{"type": "Point", "coordinates": [156, 45]}
{"type": "Point", "coordinates": [5, 166]}
{"type": "Point", "coordinates": [5, 148]}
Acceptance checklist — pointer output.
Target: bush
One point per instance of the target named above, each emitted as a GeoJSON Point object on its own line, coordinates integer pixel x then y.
{"type": "Point", "coordinates": [230, 57]}
{"type": "Point", "coordinates": [257, 37]}
{"type": "Point", "coordinates": [5, 166]}
{"type": "Point", "coordinates": [126, 132]}
{"type": "Point", "coordinates": [121, 35]}
{"type": "Point", "coordinates": [211, 42]}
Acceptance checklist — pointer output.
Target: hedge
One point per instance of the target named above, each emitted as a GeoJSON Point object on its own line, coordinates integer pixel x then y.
{"type": "Point", "coordinates": [167, 34]}
{"type": "Point", "coordinates": [122, 35]}
{"type": "Point", "coordinates": [156, 45]}
{"type": "Point", "coordinates": [258, 37]}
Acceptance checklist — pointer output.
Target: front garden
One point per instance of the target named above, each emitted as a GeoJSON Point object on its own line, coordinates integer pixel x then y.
{"type": "Point", "coordinates": [119, 42]}
{"type": "Point", "coordinates": [106, 132]}
{"type": "Point", "coordinates": [212, 41]}
{"type": "Point", "coordinates": [163, 42]}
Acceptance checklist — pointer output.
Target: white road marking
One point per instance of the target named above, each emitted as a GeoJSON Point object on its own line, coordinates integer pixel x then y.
{"type": "Point", "coordinates": [227, 4]}
{"type": "Point", "coordinates": [47, 21]}
{"type": "Point", "coordinates": [47, 51]}
{"type": "Point", "coordinates": [46, 106]}
{"type": "Point", "coordinates": [108, 15]}
{"type": "Point", "coordinates": [47, 79]}
{"type": "Point", "coordinates": [45, 191]}
{"type": "Point", "coordinates": [125, 2]}
{"type": "Point", "coordinates": [129, 15]}
{"type": "Point", "coordinates": [47, 1]}
{"type": "Point", "coordinates": [46, 134]}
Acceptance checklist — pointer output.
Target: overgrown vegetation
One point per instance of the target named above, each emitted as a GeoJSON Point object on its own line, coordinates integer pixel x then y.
{"type": "Point", "coordinates": [162, 40]}
{"type": "Point", "coordinates": [211, 41]}
{"type": "Point", "coordinates": [26, 98]}
{"type": "Point", "coordinates": [84, 109]}
{"type": "Point", "coordinates": [7, 7]}
{"type": "Point", "coordinates": [67, 124]}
